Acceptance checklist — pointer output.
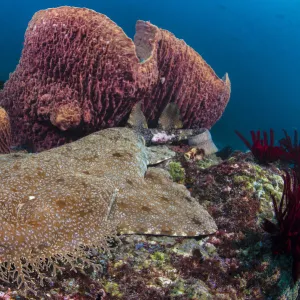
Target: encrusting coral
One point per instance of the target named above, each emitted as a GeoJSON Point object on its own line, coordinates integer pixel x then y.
{"type": "Point", "coordinates": [85, 64]}
{"type": "Point", "coordinates": [5, 132]}
{"type": "Point", "coordinates": [58, 204]}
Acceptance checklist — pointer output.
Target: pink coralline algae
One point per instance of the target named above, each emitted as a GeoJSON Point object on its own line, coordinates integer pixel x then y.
{"type": "Point", "coordinates": [79, 72]}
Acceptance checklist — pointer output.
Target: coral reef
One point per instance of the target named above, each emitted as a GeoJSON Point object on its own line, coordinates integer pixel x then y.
{"type": "Point", "coordinates": [56, 206]}
{"type": "Point", "coordinates": [5, 132]}
{"type": "Point", "coordinates": [66, 116]}
{"type": "Point", "coordinates": [225, 152]}
{"type": "Point", "coordinates": [285, 230]}
{"type": "Point", "coordinates": [195, 154]}
{"type": "Point", "coordinates": [234, 263]}
{"type": "Point", "coordinates": [237, 193]}
{"type": "Point", "coordinates": [79, 73]}
{"type": "Point", "coordinates": [137, 118]}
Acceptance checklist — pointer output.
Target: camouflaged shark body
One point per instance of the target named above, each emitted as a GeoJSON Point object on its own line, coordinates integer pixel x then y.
{"type": "Point", "coordinates": [106, 171]}
{"type": "Point", "coordinates": [57, 204]}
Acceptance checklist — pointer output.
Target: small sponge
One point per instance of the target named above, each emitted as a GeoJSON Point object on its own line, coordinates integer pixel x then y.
{"type": "Point", "coordinates": [66, 116]}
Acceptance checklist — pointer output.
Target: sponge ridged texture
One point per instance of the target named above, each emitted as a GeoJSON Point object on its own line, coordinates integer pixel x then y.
{"type": "Point", "coordinates": [78, 60]}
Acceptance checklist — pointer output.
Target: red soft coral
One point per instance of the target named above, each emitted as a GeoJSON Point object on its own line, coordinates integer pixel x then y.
{"type": "Point", "coordinates": [286, 234]}
{"type": "Point", "coordinates": [292, 149]}
{"type": "Point", "coordinates": [261, 149]}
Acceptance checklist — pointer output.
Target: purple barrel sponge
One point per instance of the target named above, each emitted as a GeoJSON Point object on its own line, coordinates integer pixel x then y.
{"type": "Point", "coordinates": [79, 73]}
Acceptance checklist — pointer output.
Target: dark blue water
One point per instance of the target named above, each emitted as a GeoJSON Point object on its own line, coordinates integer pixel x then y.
{"type": "Point", "coordinates": [256, 41]}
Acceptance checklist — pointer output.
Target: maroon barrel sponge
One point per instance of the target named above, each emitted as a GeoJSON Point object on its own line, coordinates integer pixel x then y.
{"type": "Point", "coordinates": [79, 72]}
{"type": "Point", "coordinates": [184, 78]}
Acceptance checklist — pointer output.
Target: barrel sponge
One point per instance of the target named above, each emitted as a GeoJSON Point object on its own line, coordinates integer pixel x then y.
{"type": "Point", "coordinates": [78, 55]}
{"type": "Point", "coordinates": [72, 55]}
{"type": "Point", "coordinates": [185, 79]}
{"type": "Point", "coordinates": [5, 132]}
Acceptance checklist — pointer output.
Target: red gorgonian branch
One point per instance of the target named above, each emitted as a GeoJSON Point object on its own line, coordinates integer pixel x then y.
{"type": "Point", "coordinates": [286, 233]}
{"type": "Point", "coordinates": [263, 150]}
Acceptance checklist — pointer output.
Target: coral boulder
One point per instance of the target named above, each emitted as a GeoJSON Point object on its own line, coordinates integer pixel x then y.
{"type": "Point", "coordinates": [79, 72]}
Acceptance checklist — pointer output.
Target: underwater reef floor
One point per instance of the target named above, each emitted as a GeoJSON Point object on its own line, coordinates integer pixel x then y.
{"type": "Point", "coordinates": [234, 263]}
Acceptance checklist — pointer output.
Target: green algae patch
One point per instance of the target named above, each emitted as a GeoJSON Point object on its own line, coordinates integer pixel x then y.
{"type": "Point", "coordinates": [113, 289]}
{"type": "Point", "coordinates": [158, 256]}
{"type": "Point", "coordinates": [260, 183]}
{"type": "Point", "coordinates": [208, 162]}
{"type": "Point", "coordinates": [245, 181]}
{"type": "Point", "coordinates": [179, 288]}
{"type": "Point", "coordinates": [177, 172]}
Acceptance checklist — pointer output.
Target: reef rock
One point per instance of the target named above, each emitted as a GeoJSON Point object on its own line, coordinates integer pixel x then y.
{"type": "Point", "coordinates": [79, 73]}
{"type": "Point", "coordinates": [203, 141]}
{"type": "Point", "coordinates": [55, 203]}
